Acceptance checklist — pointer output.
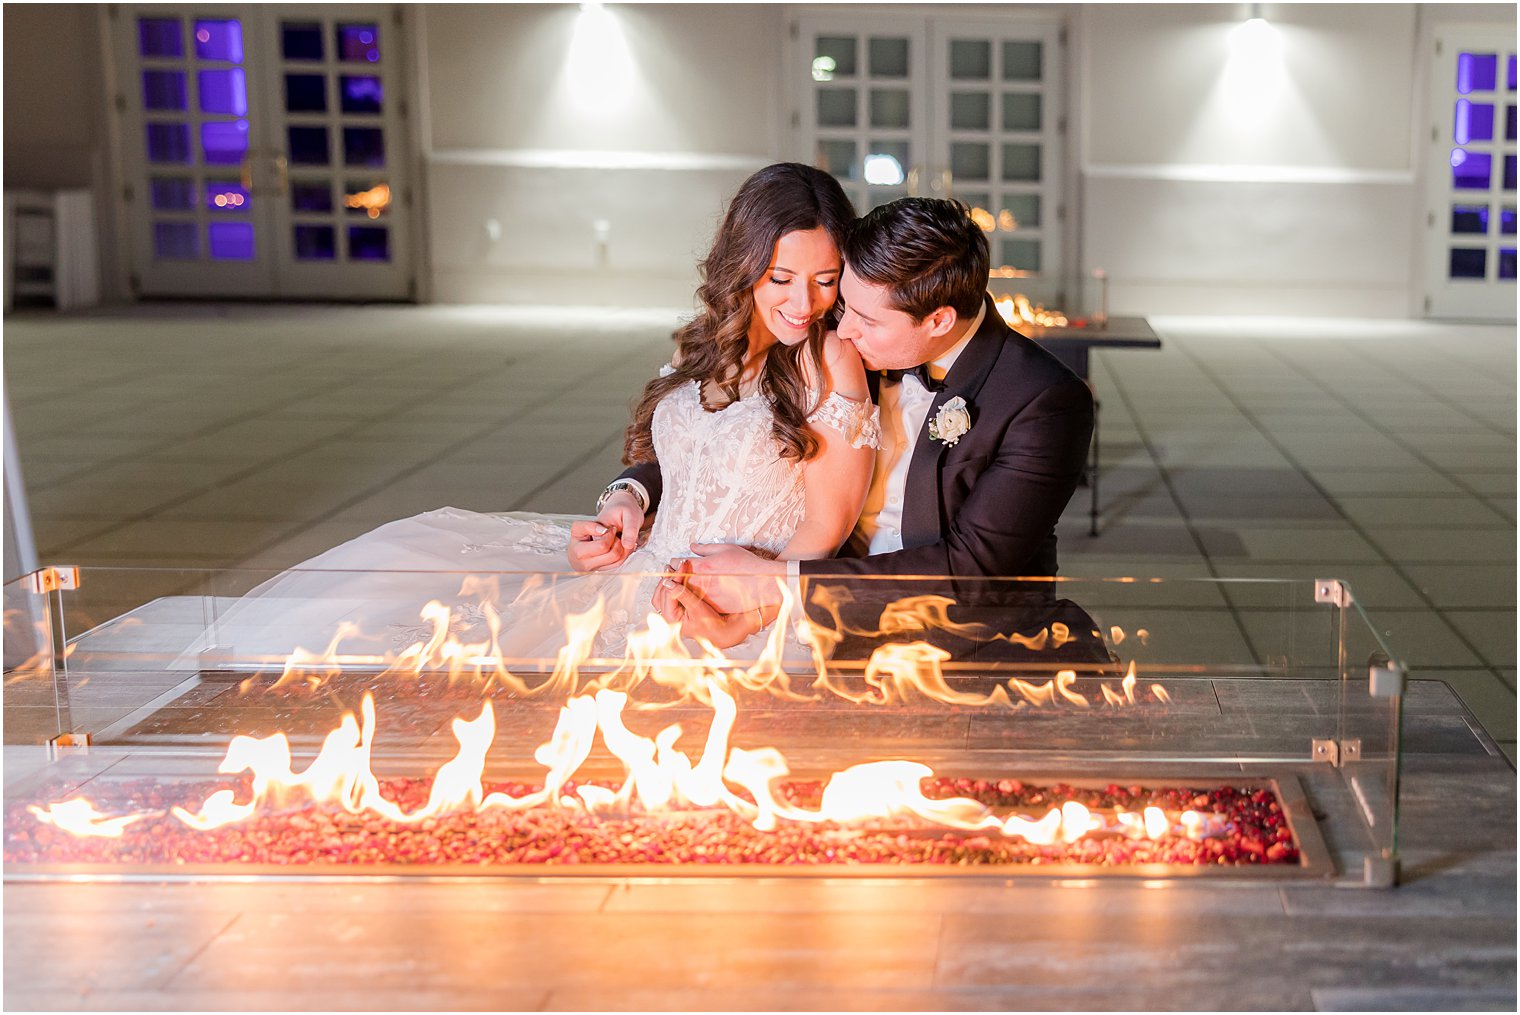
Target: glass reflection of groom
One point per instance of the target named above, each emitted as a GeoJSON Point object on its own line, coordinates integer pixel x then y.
{"type": "Point", "coordinates": [985, 434]}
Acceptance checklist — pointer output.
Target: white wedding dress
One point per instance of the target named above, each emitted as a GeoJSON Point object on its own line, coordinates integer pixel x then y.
{"type": "Point", "coordinates": [723, 482]}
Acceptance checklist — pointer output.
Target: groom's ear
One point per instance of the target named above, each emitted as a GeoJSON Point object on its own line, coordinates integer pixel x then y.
{"type": "Point", "coordinates": [941, 321]}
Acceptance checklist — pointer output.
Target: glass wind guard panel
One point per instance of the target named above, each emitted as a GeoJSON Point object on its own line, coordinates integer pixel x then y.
{"type": "Point", "coordinates": [945, 727]}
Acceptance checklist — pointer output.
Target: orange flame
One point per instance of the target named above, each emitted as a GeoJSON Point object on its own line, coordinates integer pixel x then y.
{"type": "Point", "coordinates": [1017, 310]}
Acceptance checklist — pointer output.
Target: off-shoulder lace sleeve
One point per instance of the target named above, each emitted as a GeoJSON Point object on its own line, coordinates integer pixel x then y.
{"type": "Point", "coordinates": [667, 369]}
{"type": "Point", "coordinates": [860, 422]}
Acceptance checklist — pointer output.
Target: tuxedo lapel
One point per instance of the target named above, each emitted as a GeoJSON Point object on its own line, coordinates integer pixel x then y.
{"type": "Point", "coordinates": [921, 522]}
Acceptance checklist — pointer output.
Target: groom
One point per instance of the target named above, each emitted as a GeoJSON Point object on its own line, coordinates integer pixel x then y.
{"type": "Point", "coordinates": [985, 434]}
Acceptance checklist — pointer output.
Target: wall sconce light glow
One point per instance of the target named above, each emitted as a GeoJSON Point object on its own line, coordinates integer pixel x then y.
{"type": "Point", "coordinates": [601, 68]}
{"type": "Point", "coordinates": [1254, 73]}
{"type": "Point", "coordinates": [883, 171]}
{"type": "Point", "coordinates": [824, 68]}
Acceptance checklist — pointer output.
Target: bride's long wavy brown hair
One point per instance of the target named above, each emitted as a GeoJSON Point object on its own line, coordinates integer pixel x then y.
{"type": "Point", "coordinates": [712, 346]}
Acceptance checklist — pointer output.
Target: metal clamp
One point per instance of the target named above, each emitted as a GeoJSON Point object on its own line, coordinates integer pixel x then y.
{"type": "Point", "coordinates": [68, 743]}
{"type": "Point", "coordinates": [51, 579]}
{"type": "Point", "coordinates": [1332, 590]}
{"type": "Point", "coordinates": [1336, 752]}
{"type": "Point", "coordinates": [1385, 680]}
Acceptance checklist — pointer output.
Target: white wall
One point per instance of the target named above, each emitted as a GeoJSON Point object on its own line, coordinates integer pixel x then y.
{"type": "Point", "coordinates": [653, 158]}
{"type": "Point", "coordinates": [1214, 181]}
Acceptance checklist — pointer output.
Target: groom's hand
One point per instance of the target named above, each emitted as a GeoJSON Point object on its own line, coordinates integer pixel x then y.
{"type": "Point", "coordinates": [608, 539]}
{"type": "Point", "coordinates": [733, 579]}
{"type": "Point", "coordinates": [678, 603]}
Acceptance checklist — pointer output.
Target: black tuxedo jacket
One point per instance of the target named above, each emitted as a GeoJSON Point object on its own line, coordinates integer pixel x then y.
{"type": "Point", "coordinates": [987, 506]}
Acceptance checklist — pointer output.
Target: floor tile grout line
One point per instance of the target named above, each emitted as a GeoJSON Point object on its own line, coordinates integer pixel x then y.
{"type": "Point", "coordinates": [1144, 432]}
{"type": "Point", "coordinates": [1437, 395]}
{"type": "Point", "coordinates": [266, 463]}
{"type": "Point", "coordinates": [1369, 421]}
{"type": "Point", "coordinates": [190, 960]}
{"type": "Point", "coordinates": [1351, 523]}
{"type": "Point", "coordinates": [547, 398]}
{"type": "Point", "coordinates": [182, 438]}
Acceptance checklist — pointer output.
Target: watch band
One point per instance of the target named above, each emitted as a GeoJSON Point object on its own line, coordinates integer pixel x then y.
{"type": "Point", "coordinates": [622, 484]}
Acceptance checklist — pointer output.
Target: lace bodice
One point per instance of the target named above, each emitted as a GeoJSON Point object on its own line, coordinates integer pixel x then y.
{"type": "Point", "coordinates": [724, 480]}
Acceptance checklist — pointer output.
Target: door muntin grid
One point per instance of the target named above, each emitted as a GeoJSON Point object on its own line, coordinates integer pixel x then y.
{"type": "Point", "coordinates": [1002, 145]}
{"type": "Point", "coordinates": [976, 117]}
{"type": "Point", "coordinates": [1480, 242]}
{"type": "Point", "coordinates": [336, 205]}
{"type": "Point", "coordinates": [866, 111]}
{"type": "Point", "coordinates": [194, 133]}
{"type": "Point", "coordinates": [266, 144]}
{"type": "Point", "coordinates": [1470, 268]}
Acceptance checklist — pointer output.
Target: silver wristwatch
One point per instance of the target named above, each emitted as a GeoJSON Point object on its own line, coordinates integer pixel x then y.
{"type": "Point", "coordinates": [622, 484]}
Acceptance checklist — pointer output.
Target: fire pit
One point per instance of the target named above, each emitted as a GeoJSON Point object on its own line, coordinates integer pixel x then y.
{"type": "Point", "coordinates": [885, 730]}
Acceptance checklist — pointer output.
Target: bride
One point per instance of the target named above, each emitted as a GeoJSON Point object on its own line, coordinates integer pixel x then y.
{"type": "Point", "coordinates": [761, 424]}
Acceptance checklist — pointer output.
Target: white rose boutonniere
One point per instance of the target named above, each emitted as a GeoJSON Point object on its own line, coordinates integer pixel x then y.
{"type": "Point", "coordinates": [951, 422]}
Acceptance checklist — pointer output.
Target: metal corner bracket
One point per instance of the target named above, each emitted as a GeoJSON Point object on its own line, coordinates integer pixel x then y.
{"type": "Point", "coordinates": [1335, 752]}
{"type": "Point", "coordinates": [68, 743]}
{"type": "Point", "coordinates": [51, 579]}
{"type": "Point", "coordinates": [1332, 590]}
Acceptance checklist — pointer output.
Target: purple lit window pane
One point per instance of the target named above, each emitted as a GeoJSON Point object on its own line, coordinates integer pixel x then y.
{"type": "Point", "coordinates": [301, 40]}
{"type": "Point", "coordinates": [311, 197]}
{"type": "Point", "coordinates": [1510, 75]}
{"type": "Point", "coordinates": [175, 241]}
{"type": "Point", "coordinates": [224, 142]}
{"type": "Point", "coordinates": [1506, 262]}
{"type": "Point", "coordinates": [1474, 122]}
{"type": "Point", "coordinates": [316, 243]}
{"type": "Point", "coordinates": [160, 37]}
{"type": "Point", "coordinates": [1471, 170]}
{"type": "Point", "coordinates": [308, 146]}
{"type": "Point", "coordinates": [227, 195]}
{"type": "Point", "coordinates": [1509, 172]}
{"type": "Point", "coordinates": [173, 193]}
{"type": "Point", "coordinates": [363, 146]}
{"type": "Point", "coordinates": [1467, 218]}
{"type": "Point", "coordinates": [1468, 262]}
{"type": "Point", "coordinates": [163, 89]}
{"type": "Point", "coordinates": [306, 93]}
{"type": "Point", "coordinates": [231, 241]}
{"type": "Point", "coordinates": [369, 243]}
{"type": "Point", "coordinates": [1509, 123]}
{"type": "Point", "coordinates": [361, 94]}
{"type": "Point", "coordinates": [1507, 221]}
{"type": "Point", "coordinates": [168, 142]}
{"type": "Point", "coordinates": [359, 43]}
{"type": "Point", "coordinates": [219, 40]}
{"type": "Point", "coordinates": [1476, 72]}
{"type": "Point", "coordinates": [224, 91]}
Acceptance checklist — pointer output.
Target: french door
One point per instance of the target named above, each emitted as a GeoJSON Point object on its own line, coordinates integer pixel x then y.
{"type": "Point", "coordinates": [945, 107]}
{"type": "Point", "coordinates": [1470, 173]}
{"type": "Point", "coordinates": [263, 150]}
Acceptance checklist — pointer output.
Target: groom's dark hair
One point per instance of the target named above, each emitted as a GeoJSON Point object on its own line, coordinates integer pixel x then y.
{"type": "Point", "coordinates": [926, 251]}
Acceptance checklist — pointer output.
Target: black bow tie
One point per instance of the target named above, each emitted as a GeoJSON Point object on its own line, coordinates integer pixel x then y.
{"type": "Point", "coordinates": [921, 372]}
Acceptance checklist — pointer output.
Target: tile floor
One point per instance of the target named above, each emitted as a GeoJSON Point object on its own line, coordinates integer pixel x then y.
{"type": "Point", "coordinates": [222, 435]}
